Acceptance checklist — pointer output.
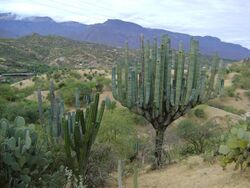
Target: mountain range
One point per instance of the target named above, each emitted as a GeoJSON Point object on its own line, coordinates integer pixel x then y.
{"type": "Point", "coordinates": [112, 32]}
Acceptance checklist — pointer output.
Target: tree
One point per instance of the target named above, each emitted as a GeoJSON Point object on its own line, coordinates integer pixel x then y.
{"type": "Point", "coordinates": [165, 84]}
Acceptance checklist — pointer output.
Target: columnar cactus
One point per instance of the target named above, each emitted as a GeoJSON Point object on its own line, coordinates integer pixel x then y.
{"type": "Point", "coordinates": [40, 107]}
{"type": "Point", "coordinates": [77, 98]}
{"type": "Point", "coordinates": [80, 136]}
{"type": "Point", "coordinates": [56, 113]}
{"type": "Point", "coordinates": [165, 84]}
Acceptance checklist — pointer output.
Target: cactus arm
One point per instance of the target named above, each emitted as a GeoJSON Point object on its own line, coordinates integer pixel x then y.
{"type": "Point", "coordinates": [190, 74]}
{"type": "Point", "coordinates": [179, 75]}
{"type": "Point", "coordinates": [66, 139]}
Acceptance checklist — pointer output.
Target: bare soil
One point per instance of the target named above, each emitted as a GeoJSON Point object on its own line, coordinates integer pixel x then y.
{"type": "Point", "coordinates": [192, 173]}
{"type": "Point", "coordinates": [23, 84]}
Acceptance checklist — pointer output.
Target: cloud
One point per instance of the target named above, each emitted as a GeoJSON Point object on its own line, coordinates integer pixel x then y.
{"type": "Point", "coordinates": [228, 19]}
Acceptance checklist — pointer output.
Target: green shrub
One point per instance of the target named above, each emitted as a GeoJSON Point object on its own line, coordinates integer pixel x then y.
{"type": "Point", "coordinates": [118, 130]}
{"type": "Point", "coordinates": [234, 110]}
{"type": "Point", "coordinates": [199, 112]}
{"type": "Point", "coordinates": [230, 91]}
{"type": "Point", "coordinates": [22, 93]}
{"type": "Point", "coordinates": [110, 105]}
{"type": "Point", "coordinates": [7, 92]}
{"type": "Point", "coordinates": [68, 91]}
{"type": "Point", "coordinates": [242, 80]}
{"type": "Point", "coordinates": [26, 109]}
{"type": "Point", "coordinates": [196, 136]}
{"type": "Point", "coordinates": [3, 106]}
{"type": "Point", "coordinates": [74, 74]}
{"type": "Point", "coordinates": [247, 93]}
{"type": "Point", "coordinates": [101, 164]}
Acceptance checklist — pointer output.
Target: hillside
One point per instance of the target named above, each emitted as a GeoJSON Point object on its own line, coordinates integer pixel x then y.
{"type": "Point", "coordinates": [113, 32]}
{"type": "Point", "coordinates": [35, 51]}
{"type": "Point", "coordinates": [42, 53]}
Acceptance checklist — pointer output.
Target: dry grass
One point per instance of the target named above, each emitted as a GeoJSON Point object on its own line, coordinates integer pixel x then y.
{"type": "Point", "coordinates": [229, 78]}
{"type": "Point", "coordinates": [23, 84]}
{"type": "Point", "coordinates": [192, 173]}
{"type": "Point", "coordinates": [33, 97]}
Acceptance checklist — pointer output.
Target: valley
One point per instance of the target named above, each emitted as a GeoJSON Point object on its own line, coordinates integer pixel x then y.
{"type": "Point", "coordinates": [90, 98]}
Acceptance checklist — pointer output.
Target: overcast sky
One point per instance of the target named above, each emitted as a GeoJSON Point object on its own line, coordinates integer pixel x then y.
{"type": "Point", "coordinates": [227, 19]}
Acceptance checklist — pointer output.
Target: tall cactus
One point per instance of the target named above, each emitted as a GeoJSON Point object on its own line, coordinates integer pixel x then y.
{"type": "Point", "coordinates": [40, 107]}
{"type": "Point", "coordinates": [85, 128]}
{"type": "Point", "coordinates": [167, 85]}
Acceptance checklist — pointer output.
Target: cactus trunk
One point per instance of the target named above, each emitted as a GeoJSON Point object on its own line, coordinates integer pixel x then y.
{"type": "Point", "coordinates": [159, 138]}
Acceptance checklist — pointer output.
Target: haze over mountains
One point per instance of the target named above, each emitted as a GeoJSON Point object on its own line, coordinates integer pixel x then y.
{"type": "Point", "coordinates": [113, 32]}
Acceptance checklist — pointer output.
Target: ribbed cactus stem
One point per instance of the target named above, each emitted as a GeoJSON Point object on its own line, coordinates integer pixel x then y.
{"type": "Point", "coordinates": [52, 97]}
{"type": "Point", "coordinates": [77, 98]}
{"type": "Point", "coordinates": [85, 129]}
{"type": "Point", "coordinates": [179, 75]}
{"type": "Point", "coordinates": [40, 107]}
{"type": "Point", "coordinates": [191, 72]}
{"type": "Point", "coordinates": [163, 86]}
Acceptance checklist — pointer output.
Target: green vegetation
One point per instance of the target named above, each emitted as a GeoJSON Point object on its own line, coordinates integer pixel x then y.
{"type": "Point", "coordinates": [119, 130]}
{"type": "Point", "coordinates": [237, 147]}
{"type": "Point", "coordinates": [24, 159]}
{"type": "Point", "coordinates": [199, 138]}
{"type": "Point", "coordinates": [151, 90]}
{"type": "Point", "coordinates": [247, 93]}
{"type": "Point", "coordinates": [28, 157]}
{"type": "Point", "coordinates": [230, 109]}
{"type": "Point", "coordinates": [242, 79]}
{"type": "Point", "coordinates": [81, 138]}
{"type": "Point", "coordinates": [230, 91]}
{"type": "Point", "coordinates": [199, 112]}
{"type": "Point", "coordinates": [61, 142]}
{"type": "Point", "coordinates": [43, 53]}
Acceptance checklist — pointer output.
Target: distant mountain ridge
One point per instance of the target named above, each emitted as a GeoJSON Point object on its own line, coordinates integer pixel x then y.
{"type": "Point", "coordinates": [113, 32]}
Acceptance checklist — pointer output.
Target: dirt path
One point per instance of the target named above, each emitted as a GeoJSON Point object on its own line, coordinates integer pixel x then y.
{"type": "Point", "coordinates": [33, 97]}
{"type": "Point", "coordinates": [192, 173]}
{"type": "Point", "coordinates": [229, 78]}
{"type": "Point", "coordinates": [23, 84]}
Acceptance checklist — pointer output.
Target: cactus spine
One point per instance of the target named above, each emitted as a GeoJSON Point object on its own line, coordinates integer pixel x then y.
{"type": "Point", "coordinates": [166, 86]}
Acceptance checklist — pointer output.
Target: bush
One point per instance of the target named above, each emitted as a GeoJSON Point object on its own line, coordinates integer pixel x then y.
{"type": "Point", "coordinates": [247, 93]}
{"type": "Point", "coordinates": [75, 75]}
{"type": "Point", "coordinates": [197, 136]}
{"type": "Point", "coordinates": [3, 106]}
{"type": "Point", "coordinates": [230, 91]}
{"type": "Point", "coordinates": [198, 112]}
{"type": "Point", "coordinates": [242, 80]}
{"type": "Point", "coordinates": [26, 109]}
{"type": "Point", "coordinates": [234, 110]}
{"type": "Point", "coordinates": [110, 105]}
{"type": "Point", "coordinates": [22, 93]}
{"type": "Point", "coordinates": [101, 163]}
{"type": "Point", "coordinates": [7, 92]}
{"type": "Point", "coordinates": [68, 91]}
{"type": "Point", "coordinates": [118, 130]}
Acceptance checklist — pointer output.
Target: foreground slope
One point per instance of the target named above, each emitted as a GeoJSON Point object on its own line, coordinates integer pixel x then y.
{"type": "Point", "coordinates": [192, 173]}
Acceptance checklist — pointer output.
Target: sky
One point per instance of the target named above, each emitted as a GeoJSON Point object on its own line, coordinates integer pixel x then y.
{"type": "Point", "coordinates": [228, 20]}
